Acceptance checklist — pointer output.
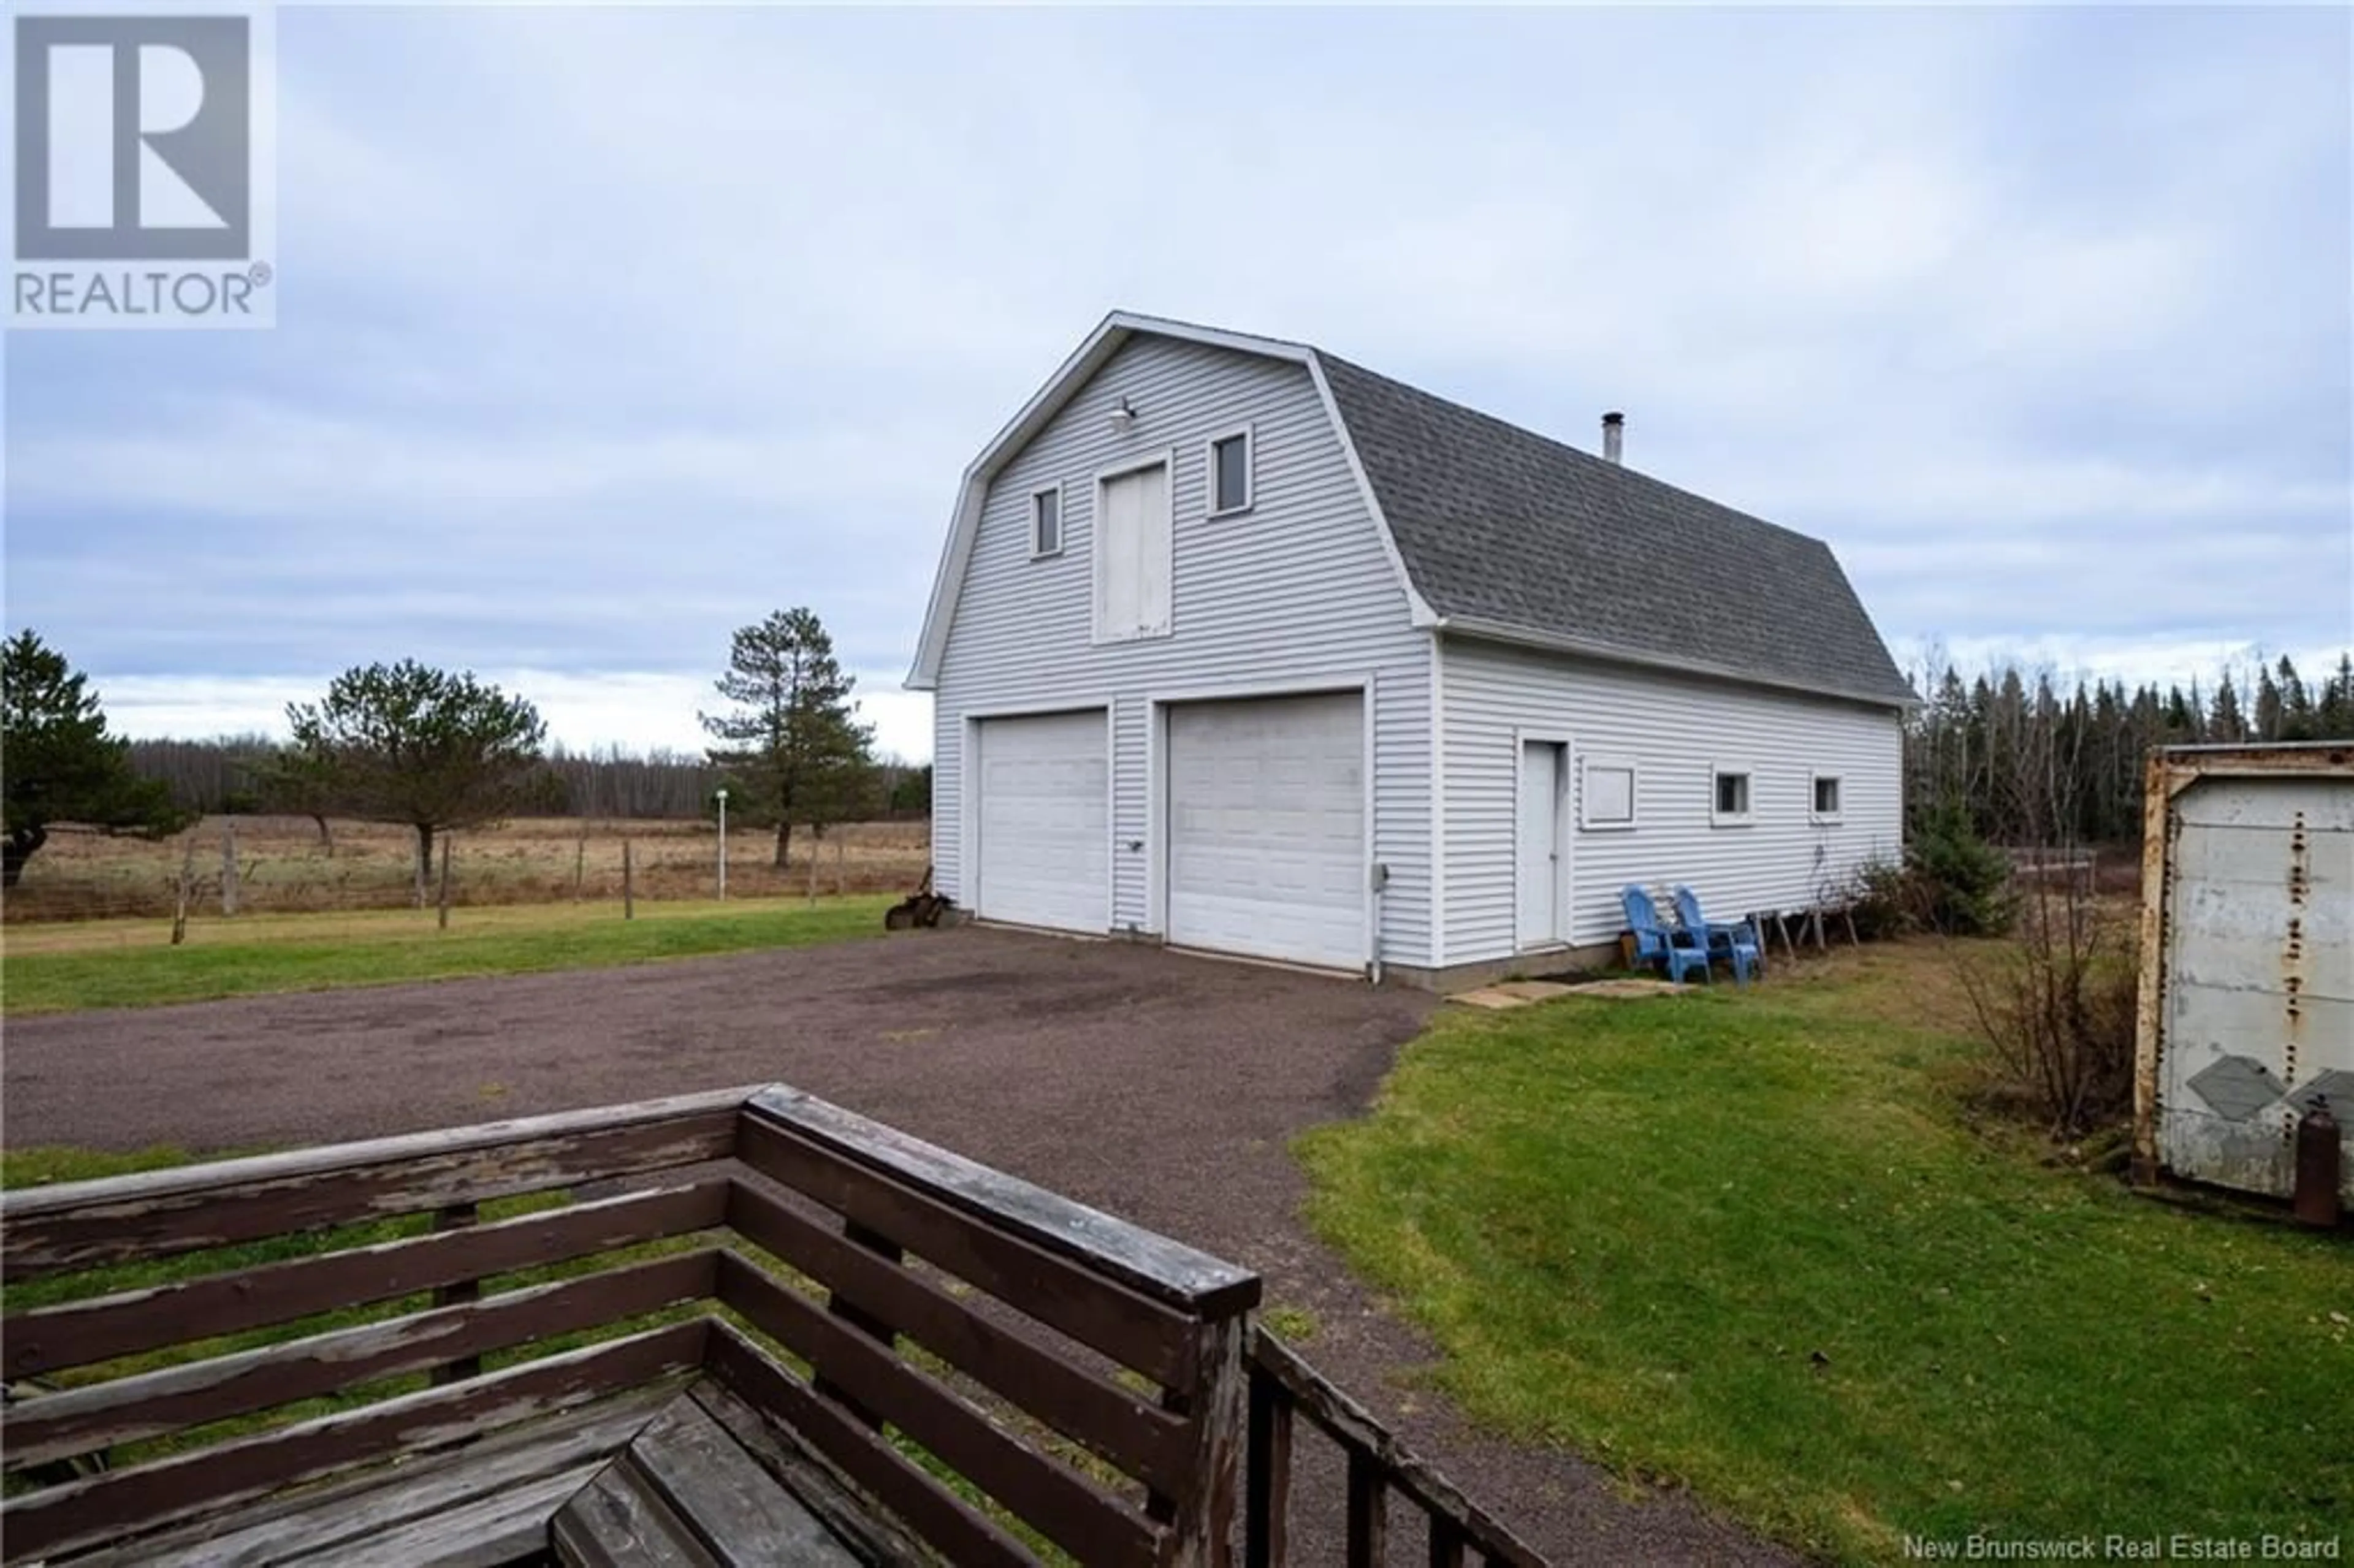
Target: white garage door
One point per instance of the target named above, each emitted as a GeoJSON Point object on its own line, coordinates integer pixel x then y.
{"type": "Point", "coordinates": [1266, 828]}
{"type": "Point", "coordinates": [1045, 823]}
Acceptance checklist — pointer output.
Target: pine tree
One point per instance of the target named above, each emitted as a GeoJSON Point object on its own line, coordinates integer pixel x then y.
{"type": "Point", "coordinates": [2333, 716]}
{"type": "Point", "coordinates": [2227, 726]}
{"type": "Point", "coordinates": [61, 765]}
{"type": "Point", "coordinates": [2266, 720]}
{"type": "Point", "coordinates": [2296, 704]}
{"type": "Point", "coordinates": [795, 752]}
{"type": "Point", "coordinates": [406, 743]}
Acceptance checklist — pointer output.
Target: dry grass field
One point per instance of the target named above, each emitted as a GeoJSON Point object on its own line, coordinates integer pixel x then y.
{"type": "Point", "coordinates": [283, 867]}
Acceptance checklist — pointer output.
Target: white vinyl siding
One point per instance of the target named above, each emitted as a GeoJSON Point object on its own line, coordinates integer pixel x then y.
{"type": "Point", "coordinates": [1673, 731]}
{"type": "Point", "coordinates": [1301, 591]}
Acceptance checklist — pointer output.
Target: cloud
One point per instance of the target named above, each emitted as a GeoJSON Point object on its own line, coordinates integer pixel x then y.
{"type": "Point", "coordinates": [605, 330]}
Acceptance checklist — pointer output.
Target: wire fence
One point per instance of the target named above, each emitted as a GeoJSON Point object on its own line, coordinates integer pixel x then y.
{"type": "Point", "coordinates": [286, 865]}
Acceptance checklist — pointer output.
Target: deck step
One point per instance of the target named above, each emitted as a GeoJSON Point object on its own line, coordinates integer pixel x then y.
{"type": "Point", "coordinates": [617, 1520]}
{"type": "Point", "coordinates": [686, 1495]}
{"type": "Point", "coordinates": [508, 1525]}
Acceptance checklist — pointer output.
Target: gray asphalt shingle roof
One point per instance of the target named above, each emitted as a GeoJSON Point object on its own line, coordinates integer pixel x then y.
{"type": "Point", "coordinates": [1503, 526]}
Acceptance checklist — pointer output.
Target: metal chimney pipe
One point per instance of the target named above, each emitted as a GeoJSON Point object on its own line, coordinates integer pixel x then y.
{"type": "Point", "coordinates": [1614, 436]}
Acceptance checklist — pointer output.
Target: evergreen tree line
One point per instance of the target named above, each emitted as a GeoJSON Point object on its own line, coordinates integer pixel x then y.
{"type": "Point", "coordinates": [2027, 763]}
{"type": "Point", "coordinates": [232, 774]}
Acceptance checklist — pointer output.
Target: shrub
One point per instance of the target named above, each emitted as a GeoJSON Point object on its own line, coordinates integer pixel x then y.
{"type": "Point", "coordinates": [2056, 1012]}
{"type": "Point", "coordinates": [1950, 881]}
{"type": "Point", "coordinates": [1960, 885]}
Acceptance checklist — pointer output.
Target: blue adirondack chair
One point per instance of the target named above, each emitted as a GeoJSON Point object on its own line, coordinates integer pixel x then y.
{"type": "Point", "coordinates": [1738, 943]}
{"type": "Point", "coordinates": [1656, 942]}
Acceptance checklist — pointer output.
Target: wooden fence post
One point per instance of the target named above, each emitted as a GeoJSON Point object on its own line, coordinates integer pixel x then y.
{"type": "Point", "coordinates": [228, 866]}
{"type": "Point", "coordinates": [1201, 1528]}
{"type": "Point", "coordinates": [1266, 1504]}
{"type": "Point", "coordinates": [628, 886]}
{"type": "Point", "coordinates": [443, 918]}
{"type": "Point", "coordinates": [1369, 1523]}
{"type": "Point", "coordinates": [187, 875]}
{"type": "Point", "coordinates": [580, 862]}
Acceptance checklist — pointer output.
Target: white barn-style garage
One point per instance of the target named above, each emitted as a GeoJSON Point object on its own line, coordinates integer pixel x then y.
{"type": "Point", "coordinates": [1237, 646]}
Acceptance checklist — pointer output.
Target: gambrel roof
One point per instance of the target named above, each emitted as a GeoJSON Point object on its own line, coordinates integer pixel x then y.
{"type": "Point", "coordinates": [1504, 534]}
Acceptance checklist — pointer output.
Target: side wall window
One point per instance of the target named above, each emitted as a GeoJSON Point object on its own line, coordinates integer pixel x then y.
{"type": "Point", "coordinates": [1046, 522]}
{"type": "Point", "coordinates": [1609, 798]}
{"type": "Point", "coordinates": [1230, 472]}
{"type": "Point", "coordinates": [1729, 797]}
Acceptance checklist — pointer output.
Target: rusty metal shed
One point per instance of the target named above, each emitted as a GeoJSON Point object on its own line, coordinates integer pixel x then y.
{"type": "Point", "coordinates": [2247, 961]}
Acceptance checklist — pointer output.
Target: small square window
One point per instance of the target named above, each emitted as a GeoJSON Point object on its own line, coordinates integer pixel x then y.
{"type": "Point", "coordinates": [1826, 795]}
{"type": "Point", "coordinates": [1230, 474]}
{"type": "Point", "coordinates": [1732, 801]}
{"type": "Point", "coordinates": [1609, 792]}
{"type": "Point", "coordinates": [1046, 523]}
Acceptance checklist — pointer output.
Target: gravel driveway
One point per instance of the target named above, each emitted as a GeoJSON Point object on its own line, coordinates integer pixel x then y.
{"type": "Point", "coordinates": [1160, 1087]}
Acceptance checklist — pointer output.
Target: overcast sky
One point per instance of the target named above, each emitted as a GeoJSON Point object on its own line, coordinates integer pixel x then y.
{"type": "Point", "coordinates": [604, 331]}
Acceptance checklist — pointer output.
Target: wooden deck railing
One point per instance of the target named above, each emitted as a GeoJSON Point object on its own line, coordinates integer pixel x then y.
{"type": "Point", "coordinates": [946, 1360]}
{"type": "Point", "coordinates": [1100, 1297]}
{"type": "Point", "coordinates": [1283, 1387]}
{"type": "Point", "coordinates": [82, 1226]}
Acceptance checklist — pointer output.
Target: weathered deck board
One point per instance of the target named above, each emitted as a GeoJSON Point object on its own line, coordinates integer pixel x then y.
{"type": "Point", "coordinates": [619, 1521]}
{"type": "Point", "coordinates": [1144, 1260]}
{"type": "Point", "coordinates": [822, 1488]}
{"type": "Point", "coordinates": [163, 1214]}
{"type": "Point", "coordinates": [1139, 1332]}
{"type": "Point", "coordinates": [128, 1323]}
{"type": "Point", "coordinates": [99, 1415]}
{"type": "Point", "coordinates": [490, 1532]}
{"type": "Point", "coordinates": [322, 1518]}
{"type": "Point", "coordinates": [741, 1513]}
{"type": "Point", "coordinates": [1126, 1428]}
{"type": "Point", "coordinates": [107, 1507]}
{"type": "Point", "coordinates": [958, 1532]}
{"type": "Point", "coordinates": [1067, 1509]}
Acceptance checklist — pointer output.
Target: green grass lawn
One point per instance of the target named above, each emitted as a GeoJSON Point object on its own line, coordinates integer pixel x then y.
{"type": "Point", "coordinates": [1747, 1242]}
{"type": "Point", "coordinates": [129, 964]}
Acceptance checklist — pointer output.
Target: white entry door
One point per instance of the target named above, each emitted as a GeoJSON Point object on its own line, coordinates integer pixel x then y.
{"type": "Point", "coordinates": [1541, 847]}
{"type": "Point", "coordinates": [1045, 820]}
{"type": "Point", "coordinates": [1266, 828]}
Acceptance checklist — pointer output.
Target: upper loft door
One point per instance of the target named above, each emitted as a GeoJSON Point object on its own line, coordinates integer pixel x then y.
{"type": "Point", "coordinates": [1134, 546]}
